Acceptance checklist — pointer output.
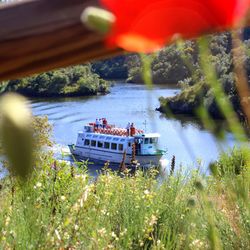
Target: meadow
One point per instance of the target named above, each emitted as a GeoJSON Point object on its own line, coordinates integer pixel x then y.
{"type": "Point", "coordinates": [63, 207]}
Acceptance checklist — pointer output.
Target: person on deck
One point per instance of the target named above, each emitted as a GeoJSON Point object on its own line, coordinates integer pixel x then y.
{"type": "Point", "coordinates": [97, 123]}
{"type": "Point", "coordinates": [104, 122]}
{"type": "Point", "coordinates": [132, 129]}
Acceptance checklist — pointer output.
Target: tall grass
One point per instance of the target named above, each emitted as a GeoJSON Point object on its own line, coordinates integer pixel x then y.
{"type": "Point", "coordinates": [61, 209]}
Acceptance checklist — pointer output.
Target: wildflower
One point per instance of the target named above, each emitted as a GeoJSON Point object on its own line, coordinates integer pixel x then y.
{"type": "Point", "coordinates": [110, 246]}
{"type": "Point", "coordinates": [146, 192]}
{"type": "Point", "coordinates": [7, 221]}
{"type": "Point", "coordinates": [153, 220]}
{"type": "Point", "coordinates": [147, 25]}
{"type": "Point", "coordinates": [75, 206]}
{"type": "Point", "coordinates": [12, 233]}
{"type": "Point", "coordinates": [113, 235]}
{"type": "Point", "coordinates": [197, 244]}
{"type": "Point", "coordinates": [141, 243]}
{"type": "Point", "coordinates": [104, 212]}
{"type": "Point", "coordinates": [63, 198]}
{"type": "Point", "coordinates": [57, 234]}
{"type": "Point", "coordinates": [66, 236]}
{"type": "Point", "coordinates": [102, 232]}
{"type": "Point", "coordinates": [76, 227]}
{"type": "Point", "coordinates": [124, 232]}
{"type": "Point", "coordinates": [193, 225]}
{"type": "Point", "coordinates": [38, 185]}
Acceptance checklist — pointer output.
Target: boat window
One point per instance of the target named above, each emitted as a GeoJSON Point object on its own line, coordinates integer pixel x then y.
{"type": "Point", "coordinates": [114, 146]}
{"type": "Point", "coordinates": [146, 140]}
{"type": "Point", "coordinates": [93, 143]}
{"type": "Point", "coordinates": [108, 138]}
{"type": "Point", "coordinates": [95, 136]}
{"type": "Point", "coordinates": [153, 140]}
{"type": "Point", "coordinates": [115, 139]}
{"type": "Point", "coordinates": [129, 144]}
{"type": "Point", "coordinates": [102, 137]}
{"type": "Point", "coordinates": [86, 142]}
{"type": "Point", "coordinates": [120, 147]}
{"type": "Point", "coordinates": [106, 145]}
{"type": "Point", "coordinates": [88, 136]}
{"type": "Point", "coordinates": [122, 140]}
{"type": "Point", "coordinates": [99, 144]}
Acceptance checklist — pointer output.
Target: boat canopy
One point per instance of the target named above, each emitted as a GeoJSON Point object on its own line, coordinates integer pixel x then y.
{"type": "Point", "coordinates": [149, 135]}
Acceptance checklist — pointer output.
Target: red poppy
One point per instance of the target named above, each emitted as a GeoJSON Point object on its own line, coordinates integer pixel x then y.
{"type": "Point", "coordinates": [147, 25]}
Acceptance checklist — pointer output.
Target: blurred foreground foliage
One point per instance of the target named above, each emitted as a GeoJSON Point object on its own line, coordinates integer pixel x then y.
{"type": "Point", "coordinates": [23, 137]}
{"type": "Point", "coordinates": [72, 81]}
{"type": "Point", "coordinates": [60, 207]}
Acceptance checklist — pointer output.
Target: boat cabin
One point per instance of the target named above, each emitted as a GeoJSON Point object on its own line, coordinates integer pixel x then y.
{"type": "Point", "coordinates": [146, 144]}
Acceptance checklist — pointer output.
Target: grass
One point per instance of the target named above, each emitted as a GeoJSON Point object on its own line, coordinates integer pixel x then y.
{"type": "Point", "coordinates": [60, 207]}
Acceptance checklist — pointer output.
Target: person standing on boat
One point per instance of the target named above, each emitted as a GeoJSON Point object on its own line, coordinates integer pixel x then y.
{"type": "Point", "coordinates": [132, 129]}
{"type": "Point", "coordinates": [104, 122]}
{"type": "Point", "coordinates": [97, 123]}
{"type": "Point", "coordinates": [128, 128]}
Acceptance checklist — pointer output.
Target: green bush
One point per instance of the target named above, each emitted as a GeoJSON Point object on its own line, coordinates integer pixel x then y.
{"type": "Point", "coordinates": [73, 81]}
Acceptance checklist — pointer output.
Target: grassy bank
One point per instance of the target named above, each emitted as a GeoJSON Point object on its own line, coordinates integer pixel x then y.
{"type": "Point", "coordinates": [60, 207]}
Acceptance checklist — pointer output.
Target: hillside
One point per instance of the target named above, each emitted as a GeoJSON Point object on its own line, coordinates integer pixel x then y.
{"type": "Point", "coordinates": [197, 93]}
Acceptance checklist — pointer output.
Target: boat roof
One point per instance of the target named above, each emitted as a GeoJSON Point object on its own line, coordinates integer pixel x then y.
{"type": "Point", "coordinates": [104, 136]}
{"type": "Point", "coordinates": [148, 135]}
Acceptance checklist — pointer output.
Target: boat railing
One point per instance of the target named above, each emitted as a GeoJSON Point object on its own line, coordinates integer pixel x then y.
{"type": "Point", "coordinates": [116, 131]}
{"type": "Point", "coordinates": [111, 129]}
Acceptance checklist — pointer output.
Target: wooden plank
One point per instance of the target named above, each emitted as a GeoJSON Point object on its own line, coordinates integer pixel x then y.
{"type": "Point", "coordinates": [40, 35]}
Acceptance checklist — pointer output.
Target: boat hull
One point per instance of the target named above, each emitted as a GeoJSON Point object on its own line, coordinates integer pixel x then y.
{"type": "Point", "coordinates": [82, 153]}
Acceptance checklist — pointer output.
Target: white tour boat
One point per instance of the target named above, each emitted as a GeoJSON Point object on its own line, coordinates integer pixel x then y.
{"type": "Point", "coordinates": [116, 145]}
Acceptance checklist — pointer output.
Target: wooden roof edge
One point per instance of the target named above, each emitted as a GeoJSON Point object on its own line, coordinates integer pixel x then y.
{"type": "Point", "coordinates": [41, 35]}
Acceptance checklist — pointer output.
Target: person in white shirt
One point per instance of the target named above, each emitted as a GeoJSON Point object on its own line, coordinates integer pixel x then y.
{"type": "Point", "coordinates": [97, 123]}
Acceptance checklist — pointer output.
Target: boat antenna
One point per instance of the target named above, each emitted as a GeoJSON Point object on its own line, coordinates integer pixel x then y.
{"type": "Point", "coordinates": [145, 124]}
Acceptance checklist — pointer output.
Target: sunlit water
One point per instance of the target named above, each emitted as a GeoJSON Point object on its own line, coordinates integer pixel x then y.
{"type": "Point", "coordinates": [187, 140]}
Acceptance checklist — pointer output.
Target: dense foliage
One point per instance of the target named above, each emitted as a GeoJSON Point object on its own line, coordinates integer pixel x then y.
{"type": "Point", "coordinates": [61, 207]}
{"type": "Point", "coordinates": [114, 68]}
{"type": "Point", "coordinates": [195, 90]}
{"type": "Point", "coordinates": [72, 81]}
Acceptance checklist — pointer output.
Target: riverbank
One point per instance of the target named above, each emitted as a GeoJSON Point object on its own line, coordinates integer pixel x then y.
{"type": "Point", "coordinates": [190, 100]}
{"type": "Point", "coordinates": [68, 82]}
{"type": "Point", "coordinates": [62, 207]}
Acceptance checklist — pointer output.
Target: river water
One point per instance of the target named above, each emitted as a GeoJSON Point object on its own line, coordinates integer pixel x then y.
{"type": "Point", "coordinates": [184, 138]}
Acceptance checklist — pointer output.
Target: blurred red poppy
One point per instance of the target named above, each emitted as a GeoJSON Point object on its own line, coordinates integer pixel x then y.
{"type": "Point", "coordinates": [147, 25]}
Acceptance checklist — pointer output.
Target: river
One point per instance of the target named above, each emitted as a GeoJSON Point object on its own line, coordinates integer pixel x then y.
{"type": "Point", "coordinates": [184, 138]}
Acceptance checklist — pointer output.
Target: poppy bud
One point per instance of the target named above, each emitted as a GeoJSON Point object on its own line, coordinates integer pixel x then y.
{"type": "Point", "coordinates": [16, 134]}
{"type": "Point", "coordinates": [199, 184]}
{"type": "Point", "coordinates": [191, 201]}
{"type": "Point", "coordinates": [98, 19]}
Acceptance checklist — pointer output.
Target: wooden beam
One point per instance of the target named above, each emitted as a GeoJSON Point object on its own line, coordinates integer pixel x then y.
{"type": "Point", "coordinates": [41, 35]}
